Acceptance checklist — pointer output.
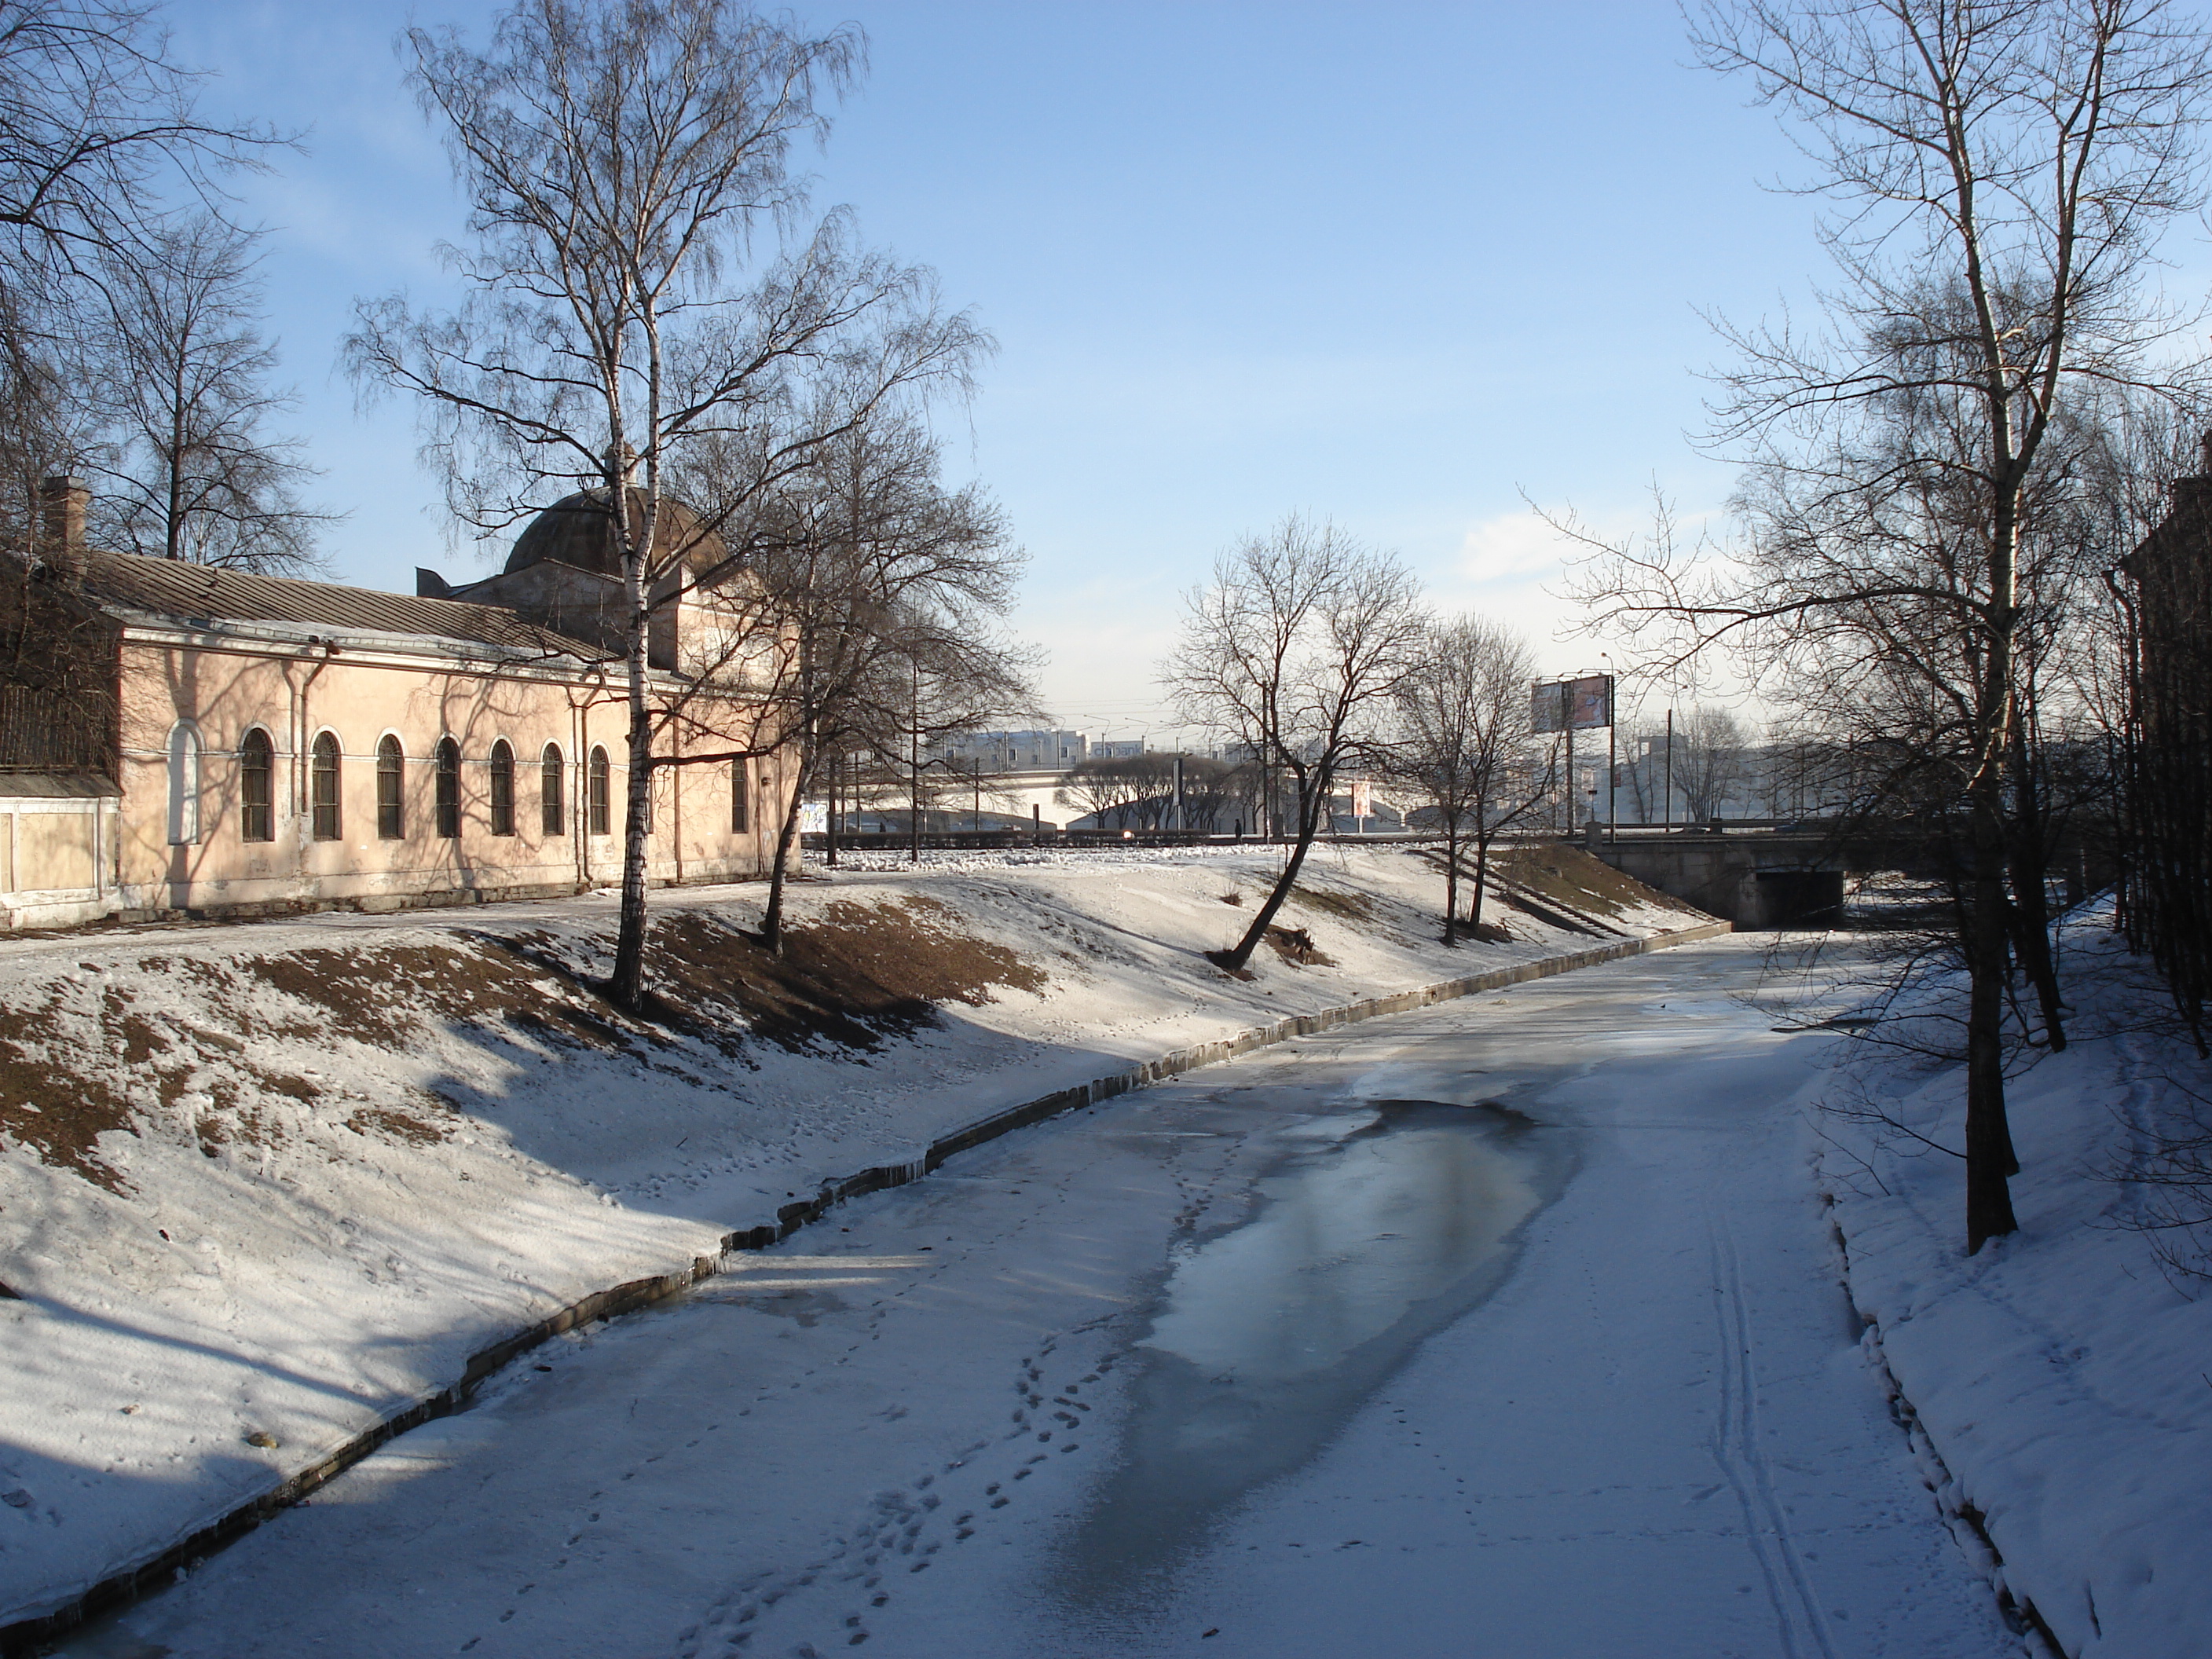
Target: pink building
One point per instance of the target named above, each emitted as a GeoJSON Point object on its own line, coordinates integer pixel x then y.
{"type": "Point", "coordinates": [180, 739]}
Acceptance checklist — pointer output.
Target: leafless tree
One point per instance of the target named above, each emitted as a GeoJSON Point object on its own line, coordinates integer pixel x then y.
{"type": "Point", "coordinates": [973, 781]}
{"type": "Point", "coordinates": [99, 138]}
{"type": "Point", "coordinates": [1138, 792]}
{"type": "Point", "coordinates": [1298, 646]}
{"type": "Point", "coordinates": [47, 428]}
{"type": "Point", "coordinates": [1095, 786]}
{"type": "Point", "coordinates": [959, 681]}
{"type": "Point", "coordinates": [99, 142]}
{"type": "Point", "coordinates": [1801, 775]}
{"type": "Point", "coordinates": [1642, 776]}
{"type": "Point", "coordinates": [184, 398]}
{"type": "Point", "coordinates": [2004, 168]}
{"type": "Point", "coordinates": [621, 159]}
{"type": "Point", "coordinates": [885, 595]}
{"type": "Point", "coordinates": [1465, 740]}
{"type": "Point", "coordinates": [1215, 792]}
{"type": "Point", "coordinates": [1711, 760]}
{"type": "Point", "coordinates": [1131, 790]}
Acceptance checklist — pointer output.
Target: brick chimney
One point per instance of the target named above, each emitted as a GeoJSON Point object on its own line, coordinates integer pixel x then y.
{"type": "Point", "coordinates": [62, 503]}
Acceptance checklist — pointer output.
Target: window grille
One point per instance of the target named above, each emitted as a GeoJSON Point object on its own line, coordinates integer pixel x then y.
{"type": "Point", "coordinates": [552, 817]}
{"type": "Point", "coordinates": [323, 787]}
{"type": "Point", "coordinates": [391, 812]}
{"type": "Point", "coordinates": [502, 788]}
{"type": "Point", "coordinates": [602, 794]}
{"type": "Point", "coordinates": [449, 789]}
{"type": "Point", "coordinates": [256, 767]}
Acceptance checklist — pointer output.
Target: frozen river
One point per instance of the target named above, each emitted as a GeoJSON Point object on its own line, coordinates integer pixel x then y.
{"type": "Point", "coordinates": [1507, 1328]}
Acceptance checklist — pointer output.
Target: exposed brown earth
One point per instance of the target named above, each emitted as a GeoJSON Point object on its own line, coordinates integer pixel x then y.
{"type": "Point", "coordinates": [852, 975]}
{"type": "Point", "coordinates": [83, 1064]}
{"type": "Point", "coordinates": [1295, 946]}
{"type": "Point", "coordinates": [1569, 877]}
{"type": "Point", "coordinates": [57, 1113]}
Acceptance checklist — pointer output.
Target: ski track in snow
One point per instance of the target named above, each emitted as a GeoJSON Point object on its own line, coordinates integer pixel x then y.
{"type": "Point", "coordinates": [1736, 1449]}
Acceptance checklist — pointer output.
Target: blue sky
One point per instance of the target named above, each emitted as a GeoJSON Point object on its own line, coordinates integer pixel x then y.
{"type": "Point", "coordinates": [1391, 263]}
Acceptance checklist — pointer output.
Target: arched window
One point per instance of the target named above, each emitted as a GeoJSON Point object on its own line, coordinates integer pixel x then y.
{"type": "Point", "coordinates": [323, 787]}
{"type": "Point", "coordinates": [552, 820]}
{"type": "Point", "coordinates": [184, 783]}
{"type": "Point", "coordinates": [602, 788]}
{"type": "Point", "coordinates": [390, 808]}
{"type": "Point", "coordinates": [502, 788]}
{"type": "Point", "coordinates": [256, 770]}
{"type": "Point", "coordinates": [449, 789]}
{"type": "Point", "coordinates": [741, 807]}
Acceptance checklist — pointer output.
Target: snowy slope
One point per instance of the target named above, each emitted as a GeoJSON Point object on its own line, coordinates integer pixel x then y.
{"type": "Point", "coordinates": [2060, 1376]}
{"type": "Point", "coordinates": [264, 1185]}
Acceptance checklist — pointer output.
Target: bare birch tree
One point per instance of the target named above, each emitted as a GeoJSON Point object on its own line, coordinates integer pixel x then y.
{"type": "Point", "coordinates": [1466, 741]}
{"type": "Point", "coordinates": [621, 159]}
{"type": "Point", "coordinates": [2004, 168]}
{"type": "Point", "coordinates": [1298, 645]}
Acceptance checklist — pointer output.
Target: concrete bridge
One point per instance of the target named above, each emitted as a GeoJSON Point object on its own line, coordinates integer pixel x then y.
{"type": "Point", "coordinates": [1758, 877]}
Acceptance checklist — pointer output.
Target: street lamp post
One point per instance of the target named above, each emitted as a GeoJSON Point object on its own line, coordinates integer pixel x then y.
{"type": "Point", "coordinates": [1612, 750]}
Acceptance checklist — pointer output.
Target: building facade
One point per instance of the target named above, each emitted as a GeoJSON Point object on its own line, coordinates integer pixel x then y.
{"type": "Point", "coordinates": [213, 742]}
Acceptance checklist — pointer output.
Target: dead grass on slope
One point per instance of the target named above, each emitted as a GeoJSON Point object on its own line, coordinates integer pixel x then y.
{"type": "Point", "coordinates": [1295, 946]}
{"type": "Point", "coordinates": [87, 1060]}
{"type": "Point", "coordinates": [385, 995]}
{"type": "Point", "coordinates": [1356, 909]}
{"type": "Point", "coordinates": [850, 975]}
{"type": "Point", "coordinates": [1568, 875]}
{"type": "Point", "coordinates": [49, 1106]}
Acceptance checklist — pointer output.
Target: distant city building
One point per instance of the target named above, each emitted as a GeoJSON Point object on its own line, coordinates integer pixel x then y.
{"type": "Point", "coordinates": [1018, 751]}
{"type": "Point", "coordinates": [1036, 751]}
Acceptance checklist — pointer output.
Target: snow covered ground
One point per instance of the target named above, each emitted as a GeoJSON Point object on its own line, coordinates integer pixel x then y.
{"type": "Point", "coordinates": [262, 1186]}
{"type": "Point", "coordinates": [1510, 1328]}
{"type": "Point", "coordinates": [2062, 1377]}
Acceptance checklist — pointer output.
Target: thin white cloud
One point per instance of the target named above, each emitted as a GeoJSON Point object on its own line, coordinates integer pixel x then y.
{"type": "Point", "coordinates": [1511, 548]}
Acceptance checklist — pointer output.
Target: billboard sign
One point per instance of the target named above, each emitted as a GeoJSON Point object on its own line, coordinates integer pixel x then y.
{"type": "Point", "coordinates": [1551, 705]}
{"type": "Point", "coordinates": [1579, 705]}
{"type": "Point", "coordinates": [1589, 701]}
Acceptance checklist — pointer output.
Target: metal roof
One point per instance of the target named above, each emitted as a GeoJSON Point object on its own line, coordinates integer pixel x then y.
{"type": "Point", "coordinates": [208, 593]}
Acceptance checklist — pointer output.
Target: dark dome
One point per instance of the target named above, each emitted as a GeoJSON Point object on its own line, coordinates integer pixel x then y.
{"type": "Point", "coordinates": [580, 530]}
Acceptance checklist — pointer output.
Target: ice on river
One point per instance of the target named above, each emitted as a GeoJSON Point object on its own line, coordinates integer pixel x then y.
{"type": "Point", "coordinates": [1507, 1327]}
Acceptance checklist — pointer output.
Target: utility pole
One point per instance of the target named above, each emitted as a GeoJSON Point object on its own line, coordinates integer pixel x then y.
{"type": "Point", "coordinates": [914, 757]}
{"type": "Point", "coordinates": [1612, 757]}
{"type": "Point", "coordinates": [1612, 767]}
{"type": "Point", "coordinates": [1667, 812]}
{"type": "Point", "coordinates": [1573, 782]}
